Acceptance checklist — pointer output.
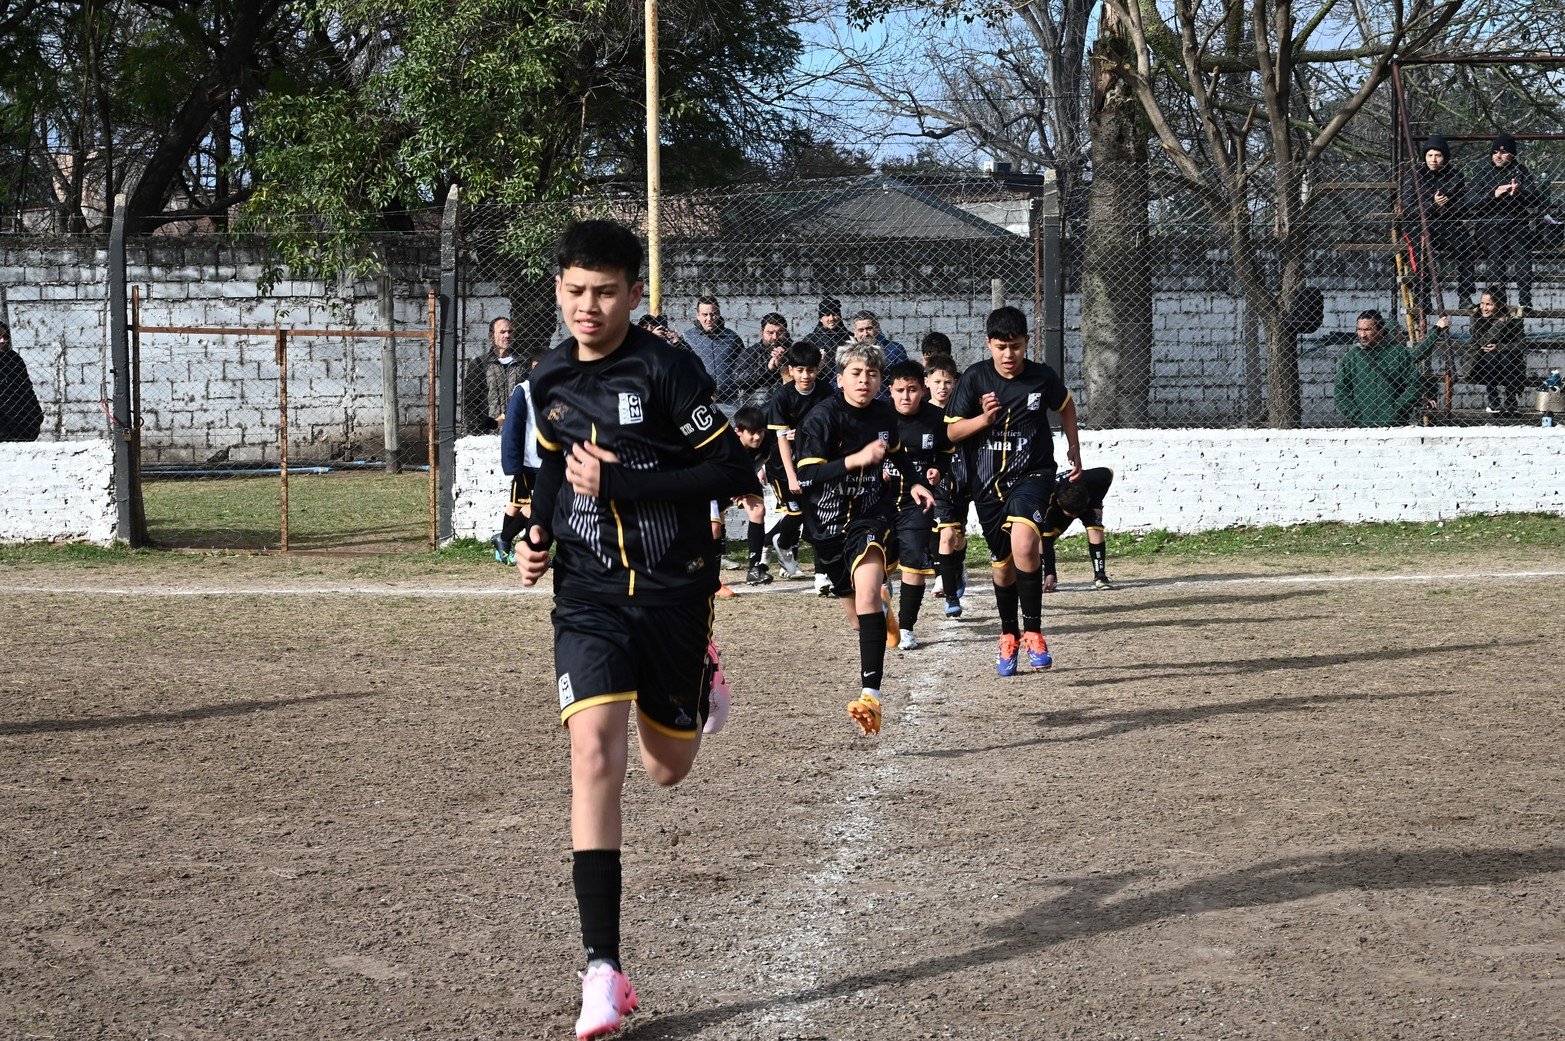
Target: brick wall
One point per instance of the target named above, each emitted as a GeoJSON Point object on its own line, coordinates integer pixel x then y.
{"type": "Point", "coordinates": [58, 492]}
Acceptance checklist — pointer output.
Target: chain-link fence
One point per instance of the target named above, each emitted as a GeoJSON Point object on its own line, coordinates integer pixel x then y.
{"type": "Point", "coordinates": [928, 256]}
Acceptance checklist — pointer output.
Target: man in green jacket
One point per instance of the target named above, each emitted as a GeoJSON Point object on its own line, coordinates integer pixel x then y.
{"type": "Point", "coordinates": [1378, 382]}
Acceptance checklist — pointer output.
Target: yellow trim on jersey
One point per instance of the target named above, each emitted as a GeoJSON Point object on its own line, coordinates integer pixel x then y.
{"type": "Point", "coordinates": [778, 426]}
{"type": "Point", "coordinates": [683, 735]}
{"type": "Point", "coordinates": [1067, 399]}
{"type": "Point", "coordinates": [719, 430]}
{"type": "Point", "coordinates": [544, 442]}
{"type": "Point", "coordinates": [955, 419]}
{"type": "Point", "coordinates": [807, 462]}
{"type": "Point", "coordinates": [619, 532]}
{"type": "Point", "coordinates": [593, 702]}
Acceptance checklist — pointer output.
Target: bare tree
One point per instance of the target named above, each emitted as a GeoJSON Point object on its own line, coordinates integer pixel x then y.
{"type": "Point", "coordinates": [1249, 117]}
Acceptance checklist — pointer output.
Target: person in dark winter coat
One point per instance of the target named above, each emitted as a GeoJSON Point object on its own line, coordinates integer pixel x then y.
{"type": "Point", "coordinates": [490, 378]}
{"type": "Point", "coordinates": [1433, 199]}
{"type": "Point", "coordinates": [827, 336]}
{"type": "Point", "coordinates": [20, 416]}
{"type": "Point", "coordinates": [1501, 198]}
{"type": "Point", "coordinates": [1501, 362]}
{"type": "Point", "coordinates": [1378, 381]}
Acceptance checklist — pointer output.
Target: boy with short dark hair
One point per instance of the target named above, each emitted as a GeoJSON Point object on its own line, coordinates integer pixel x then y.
{"type": "Point", "coordinates": [921, 429]}
{"type": "Point", "coordinates": [750, 425]}
{"type": "Point", "coordinates": [789, 405]}
{"type": "Point", "coordinates": [630, 427]}
{"type": "Point", "coordinates": [952, 498]}
{"type": "Point", "coordinates": [1080, 499]}
{"type": "Point", "coordinates": [850, 510]}
{"type": "Point", "coordinates": [1004, 406]}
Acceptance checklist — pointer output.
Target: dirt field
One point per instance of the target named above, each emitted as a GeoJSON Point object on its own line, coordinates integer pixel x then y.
{"type": "Point", "coordinates": [1242, 806]}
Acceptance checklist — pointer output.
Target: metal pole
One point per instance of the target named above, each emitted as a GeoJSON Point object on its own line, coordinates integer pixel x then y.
{"type": "Point", "coordinates": [119, 362]}
{"type": "Point", "coordinates": [1051, 324]}
{"type": "Point", "coordinates": [1033, 207]}
{"type": "Point", "coordinates": [282, 408]}
{"type": "Point", "coordinates": [654, 171]}
{"type": "Point", "coordinates": [446, 413]}
{"type": "Point", "coordinates": [390, 413]}
{"type": "Point", "coordinates": [434, 497]}
{"type": "Point", "coordinates": [138, 505]}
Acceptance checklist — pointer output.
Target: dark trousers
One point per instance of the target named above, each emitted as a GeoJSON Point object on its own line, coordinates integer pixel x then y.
{"type": "Point", "coordinates": [1507, 250]}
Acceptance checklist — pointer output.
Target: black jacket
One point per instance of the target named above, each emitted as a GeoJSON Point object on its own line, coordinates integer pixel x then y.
{"type": "Point", "coordinates": [1486, 210]}
{"type": "Point", "coordinates": [1447, 180]}
{"type": "Point", "coordinates": [20, 416]}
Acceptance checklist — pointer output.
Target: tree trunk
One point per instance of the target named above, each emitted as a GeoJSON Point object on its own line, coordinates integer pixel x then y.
{"type": "Point", "coordinates": [1116, 283]}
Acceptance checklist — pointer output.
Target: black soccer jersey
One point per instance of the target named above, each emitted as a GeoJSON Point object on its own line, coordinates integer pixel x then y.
{"type": "Point", "coordinates": [1019, 443]}
{"type": "Point", "coordinates": [923, 437]}
{"type": "Point", "coordinates": [785, 412]}
{"type": "Point", "coordinates": [835, 495]}
{"type": "Point", "coordinates": [1097, 479]}
{"type": "Point", "coordinates": [647, 536]}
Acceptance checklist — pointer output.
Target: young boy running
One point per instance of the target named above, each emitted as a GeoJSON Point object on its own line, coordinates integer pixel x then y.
{"type": "Point", "coordinates": [1072, 500]}
{"type": "Point", "coordinates": [750, 425]}
{"type": "Point", "coordinates": [921, 429]}
{"type": "Point", "coordinates": [519, 462]}
{"type": "Point", "coordinates": [1005, 405]}
{"type": "Point", "coordinates": [633, 450]}
{"type": "Point", "coordinates": [952, 498]}
{"type": "Point", "coordinates": [850, 510]}
{"type": "Point", "coordinates": [789, 405]}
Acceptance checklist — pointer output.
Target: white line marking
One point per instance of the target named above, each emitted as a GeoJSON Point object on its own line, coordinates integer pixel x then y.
{"type": "Point", "coordinates": [442, 592]}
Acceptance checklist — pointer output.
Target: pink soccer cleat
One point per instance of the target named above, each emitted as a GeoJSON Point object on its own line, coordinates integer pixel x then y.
{"type": "Point", "coordinates": [606, 999]}
{"type": "Point", "coordinates": [720, 698]}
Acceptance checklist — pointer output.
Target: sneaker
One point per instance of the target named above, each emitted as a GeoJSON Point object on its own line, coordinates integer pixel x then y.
{"type": "Point", "coordinates": [502, 552]}
{"type": "Point", "coordinates": [1005, 658]}
{"type": "Point", "coordinates": [1491, 410]}
{"type": "Point", "coordinates": [953, 607]}
{"type": "Point", "coordinates": [1102, 582]}
{"type": "Point", "coordinates": [907, 641]}
{"type": "Point", "coordinates": [730, 564]}
{"type": "Point", "coordinates": [606, 999]}
{"type": "Point", "coordinates": [725, 593]}
{"type": "Point", "coordinates": [822, 585]}
{"type": "Point", "coordinates": [865, 710]}
{"type": "Point", "coordinates": [758, 576]}
{"type": "Point", "coordinates": [787, 561]}
{"type": "Point", "coordinates": [1038, 655]}
{"type": "Point", "coordinates": [720, 698]}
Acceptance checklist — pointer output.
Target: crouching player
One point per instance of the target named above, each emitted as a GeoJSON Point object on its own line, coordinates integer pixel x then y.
{"type": "Point", "coordinates": [921, 430]}
{"type": "Point", "coordinates": [1005, 405]}
{"type": "Point", "coordinates": [952, 499]}
{"type": "Point", "coordinates": [633, 450]}
{"type": "Point", "coordinates": [1083, 499]}
{"type": "Point", "coordinates": [849, 510]}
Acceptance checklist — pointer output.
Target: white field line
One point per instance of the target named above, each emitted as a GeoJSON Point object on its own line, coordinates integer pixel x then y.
{"type": "Point", "coordinates": [776, 589]}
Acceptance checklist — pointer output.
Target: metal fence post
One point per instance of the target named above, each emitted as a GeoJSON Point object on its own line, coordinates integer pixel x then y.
{"type": "Point", "coordinates": [391, 415]}
{"type": "Point", "coordinates": [1051, 324]}
{"type": "Point", "coordinates": [447, 418]}
{"type": "Point", "coordinates": [121, 422]}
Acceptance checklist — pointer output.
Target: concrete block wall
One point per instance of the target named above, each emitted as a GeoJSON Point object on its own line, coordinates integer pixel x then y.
{"type": "Point", "coordinates": [58, 491]}
{"type": "Point", "coordinates": [1202, 480]}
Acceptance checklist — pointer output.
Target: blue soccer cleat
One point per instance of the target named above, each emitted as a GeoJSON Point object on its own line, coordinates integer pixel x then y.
{"type": "Point", "coordinates": [1005, 660]}
{"type": "Point", "coordinates": [1038, 655]}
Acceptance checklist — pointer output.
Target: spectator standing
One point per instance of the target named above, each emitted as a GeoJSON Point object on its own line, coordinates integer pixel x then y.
{"type": "Point", "coordinates": [718, 347]}
{"type": "Point", "coordinates": [658, 326]}
{"type": "Point", "coordinates": [1378, 382]}
{"type": "Point", "coordinates": [1501, 197]}
{"type": "Point", "coordinates": [772, 351]}
{"type": "Point", "coordinates": [1500, 365]}
{"type": "Point", "coordinates": [490, 379]}
{"type": "Point", "coordinates": [20, 416]}
{"type": "Point", "coordinates": [866, 331]}
{"type": "Point", "coordinates": [827, 336]}
{"type": "Point", "coordinates": [1435, 191]}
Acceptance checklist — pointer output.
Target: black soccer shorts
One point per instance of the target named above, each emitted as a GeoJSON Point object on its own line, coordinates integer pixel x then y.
{"type": "Point", "coordinates": [654, 655]}
{"type": "Point", "coordinates": [838, 557]}
{"type": "Point", "coordinates": [1026, 504]}
{"type": "Point", "coordinates": [915, 531]}
{"type": "Point", "coordinates": [787, 502]}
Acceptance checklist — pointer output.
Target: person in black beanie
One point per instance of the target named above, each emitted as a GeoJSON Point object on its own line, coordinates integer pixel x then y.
{"type": "Point", "coordinates": [1432, 199]}
{"type": "Point", "coordinates": [1501, 196]}
{"type": "Point", "coordinates": [827, 336]}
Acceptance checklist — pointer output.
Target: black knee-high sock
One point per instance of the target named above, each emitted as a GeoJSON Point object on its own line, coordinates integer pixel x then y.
{"type": "Point", "coordinates": [1029, 592]}
{"type": "Point", "coordinates": [1005, 601]}
{"type": "Point", "coordinates": [596, 876]}
{"type": "Point", "coordinates": [912, 597]}
{"type": "Point", "coordinates": [757, 534]}
{"type": "Point", "coordinates": [511, 526]}
{"type": "Point", "coordinates": [951, 565]}
{"type": "Point", "coordinates": [872, 649]}
{"type": "Point", "coordinates": [1100, 559]}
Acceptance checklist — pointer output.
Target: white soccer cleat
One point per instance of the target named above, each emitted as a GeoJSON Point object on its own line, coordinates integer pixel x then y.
{"type": "Point", "coordinates": [606, 999]}
{"type": "Point", "coordinates": [909, 641]}
{"type": "Point", "coordinates": [822, 585]}
{"type": "Point", "coordinates": [787, 561]}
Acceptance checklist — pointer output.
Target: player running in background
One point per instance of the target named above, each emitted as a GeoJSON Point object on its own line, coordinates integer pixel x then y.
{"type": "Point", "coordinates": [750, 425]}
{"type": "Point", "coordinates": [789, 405]}
{"type": "Point", "coordinates": [1080, 499]}
{"type": "Point", "coordinates": [633, 450]}
{"type": "Point", "coordinates": [518, 461]}
{"type": "Point", "coordinates": [921, 430]}
{"type": "Point", "coordinates": [850, 510]}
{"type": "Point", "coordinates": [952, 498]}
{"type": "Point", "coordinates": [1005, 406]}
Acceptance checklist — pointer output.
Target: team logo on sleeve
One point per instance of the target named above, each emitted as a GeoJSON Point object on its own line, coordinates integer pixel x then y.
{"type": "Point", "coordinates": [629, 409]}
{"type": "Point", "coordinates": [1034, 402]}
{"type": "Point", "coordinates": [567, 695]}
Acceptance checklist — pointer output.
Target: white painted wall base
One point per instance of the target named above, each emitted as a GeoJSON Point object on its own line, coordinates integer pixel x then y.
{"type": "Point", "coordinates": [1203, 480]}
{"type": "Point", "coordinates": [58, 491]}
